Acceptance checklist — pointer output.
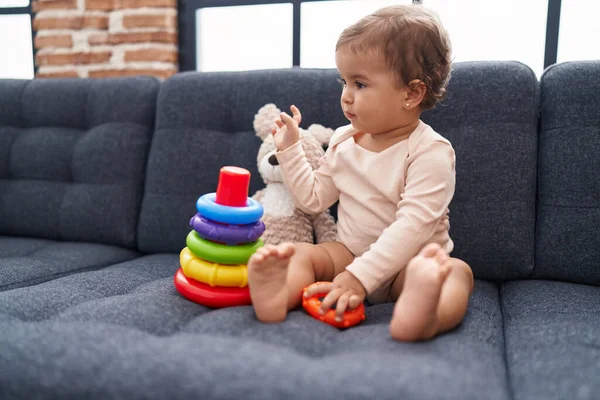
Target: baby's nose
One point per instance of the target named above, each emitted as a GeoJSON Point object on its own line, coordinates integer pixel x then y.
{"type": "Point", "coordinates": [273, 160]}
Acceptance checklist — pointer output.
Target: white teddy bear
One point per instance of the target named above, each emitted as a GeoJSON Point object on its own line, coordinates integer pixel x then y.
{"type": "Point", "coordinates": [284, 221]}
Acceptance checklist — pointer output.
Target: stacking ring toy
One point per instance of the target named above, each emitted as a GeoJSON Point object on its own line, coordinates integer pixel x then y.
{"type": "Point", "coordinates": [313, 304]}
{"type": "Point", "coordinates": [212, 273]}
{"type": "Point", "coordinates": [214, 297]}
{"type": "Point", "coordinates": [221, 253]}
{"type": "Point", "coordinates": [229, 234]}
{"type": "Point", "coordinates": [209, 208]}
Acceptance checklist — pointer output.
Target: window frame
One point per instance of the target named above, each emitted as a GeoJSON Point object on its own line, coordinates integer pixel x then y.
{"type": "Point", "coordinates": [24, 11]}
{"type": "Point", "coordinates": [552, 28]}
{"type": "Point", "coordinates": [187, 27]}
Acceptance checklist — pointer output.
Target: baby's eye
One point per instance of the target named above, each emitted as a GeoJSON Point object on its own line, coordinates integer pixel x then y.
{"type": "Point", "coordinates": [360, 85]}
{"type": "Point", "coordinates": [341, 81]}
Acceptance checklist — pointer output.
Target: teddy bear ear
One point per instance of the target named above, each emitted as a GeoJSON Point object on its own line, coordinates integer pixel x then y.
{"type": "Point", "coordinates": [264, 120]}
{"type": "Point", "coordinates": [322, 134]}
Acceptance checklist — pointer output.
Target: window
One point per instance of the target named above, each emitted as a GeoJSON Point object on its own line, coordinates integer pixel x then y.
{"type": "Point", "coordinates": [323, 21]}
{"type": "Point", "coordinates": [579, 30]}
{"type": "Point", "coordinates": [14, 3]}
{"type": "Point", "coordinates": [16, 44]}
{"type": "Point", "coordinates": [503, 30]}
{"type": "Point", "coordinates": [262, 34]}
{"type": "Point", "coordinates": [244, 37]}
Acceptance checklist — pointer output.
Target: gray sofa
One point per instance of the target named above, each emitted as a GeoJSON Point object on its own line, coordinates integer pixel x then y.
{"type": "Point", "coordinates": [98, 180]}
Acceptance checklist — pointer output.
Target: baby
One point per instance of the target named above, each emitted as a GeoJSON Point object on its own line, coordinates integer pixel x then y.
{"type": "Point", "coordinates": [394, 178]}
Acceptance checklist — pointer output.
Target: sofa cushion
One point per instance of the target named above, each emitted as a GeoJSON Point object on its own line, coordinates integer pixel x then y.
{"type": "Point", "coordinates": [568, 238]}
{"type": "Point", "coordinates": [204, 122]}
{"type": "Point", "coordinates": [490, 116]}
{"type": "Point", "coordinates": [29, 261]}
{"type": "Point", "coordinates": [72, 157]}
{"type": "Point", "coordinates": [552, 342]}
{"type": "Point", "coordinates": [124, 331]}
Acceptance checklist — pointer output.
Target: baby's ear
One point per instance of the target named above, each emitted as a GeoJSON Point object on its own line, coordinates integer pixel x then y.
{"type": "Point", "coordinates": [322, 134]}
{"type": "Point", "coordinates": [264, 120]}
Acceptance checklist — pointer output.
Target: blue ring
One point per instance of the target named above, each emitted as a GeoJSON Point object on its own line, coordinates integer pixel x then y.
{"type": "Point", "coordinates": [208, 208]}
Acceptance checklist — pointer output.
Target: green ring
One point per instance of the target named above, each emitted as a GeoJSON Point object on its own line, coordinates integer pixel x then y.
{"type": "Point", "coordinates": [221, 253]}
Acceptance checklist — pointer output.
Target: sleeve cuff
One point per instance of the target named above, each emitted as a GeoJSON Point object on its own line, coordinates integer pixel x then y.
{"type": "Point", "coordinates": [290, 153]}
{"type": "Point", "coordinates": [369, 283]}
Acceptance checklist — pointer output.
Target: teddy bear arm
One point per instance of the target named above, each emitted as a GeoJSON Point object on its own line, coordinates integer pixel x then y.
{"type": "Point", "coordinates": [258, 195]}
{"type": "Point", "coordinates": [324, 227]}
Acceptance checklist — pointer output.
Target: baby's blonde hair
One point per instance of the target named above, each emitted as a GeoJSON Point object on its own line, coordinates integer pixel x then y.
{"type": "Point", "coordinates": [413, 43]}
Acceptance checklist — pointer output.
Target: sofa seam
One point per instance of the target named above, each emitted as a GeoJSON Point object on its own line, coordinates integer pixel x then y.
{"type": "Point", "coordinates": [47, 278]}
{"type": "Point", "coordinates": [86, 115]}
{"type": "Point", "coordinates": [572, 207]}
{"type": "Point", "coordinates": [489, 316]}
{"type": "Point", "coordinates": [32, 252]}
{"type": "Point", "coordinates": [561, 127]}
{"type": "Point", "coordinates": [579, 313]}
{"type": "Point", "coordinates": [538, 198]}
{"type": "Point", "coordinates": [22, 128]}
{"type": "Point", "coordinates": [27, 255]}
{"type": "Point", "coordinates": [10, 174]}
{"type": "Point", "coordinates": [537, 119]}
{"type": "Point", "coordinates": [503, 312]}
{"type": "Point", "coordinates": [140, 189]}
{"type": "Point", "coordinates": [145, 168]}
{"type": "Point", "coordinates": [21, 104]}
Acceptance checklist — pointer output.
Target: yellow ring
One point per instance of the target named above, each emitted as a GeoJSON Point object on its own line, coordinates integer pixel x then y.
{"type": "Point", "coordinates": [213, 274]}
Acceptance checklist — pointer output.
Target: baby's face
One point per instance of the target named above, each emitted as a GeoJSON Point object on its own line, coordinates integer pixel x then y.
{"type": "Point", "coordinates": [370, 98]}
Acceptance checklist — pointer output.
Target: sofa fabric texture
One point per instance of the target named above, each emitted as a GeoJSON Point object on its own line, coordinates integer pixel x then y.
{"type": "Point", "coordinates": [99, 179]}
{"type": "Point", "coordinates": [568, 236]}
{"type": "Point", "coordinates": [552, 342]}
{"type": "Point", "coordinates": [492, 215]}
{"type": "Point", "coordinates": [124, 331]}
{"type": "Point", "coordinates": [29, 261]}
{"type": "Point", "coordinates": [73, 157]}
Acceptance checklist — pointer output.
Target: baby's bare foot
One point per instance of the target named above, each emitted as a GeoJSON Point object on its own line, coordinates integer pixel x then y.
{"type": "Point", "coordinates": [267, 276]}
{"type": "Point", "coordinates": [415, 312]}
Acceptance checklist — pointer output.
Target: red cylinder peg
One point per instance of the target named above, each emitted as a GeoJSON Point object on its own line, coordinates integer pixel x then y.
{"type": "Point", "coordinates": [232, 190]}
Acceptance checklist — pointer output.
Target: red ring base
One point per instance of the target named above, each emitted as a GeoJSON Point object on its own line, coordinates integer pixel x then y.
{"type": "Point", "coordinates": [213, 297]}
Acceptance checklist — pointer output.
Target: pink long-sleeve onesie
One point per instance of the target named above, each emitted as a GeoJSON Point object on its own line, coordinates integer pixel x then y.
{"type": "Point", "coordinates": [391, 203]}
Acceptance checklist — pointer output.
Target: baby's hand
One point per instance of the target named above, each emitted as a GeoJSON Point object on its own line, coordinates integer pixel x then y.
{"type": "Point", "coordinates": [345, 289]}
{"type": "Point", "coordinates": [288, 132]}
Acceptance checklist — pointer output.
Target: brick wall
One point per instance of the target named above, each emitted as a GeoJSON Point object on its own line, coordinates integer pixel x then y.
{"type": "Point", "coordinates": [105, 38]}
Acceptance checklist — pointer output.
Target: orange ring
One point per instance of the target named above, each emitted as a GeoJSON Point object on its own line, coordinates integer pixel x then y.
{"type": "Point", "coordinates": [313, 304]}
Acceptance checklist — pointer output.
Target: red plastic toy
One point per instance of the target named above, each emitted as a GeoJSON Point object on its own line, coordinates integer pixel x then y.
{"type": "Point", "coordinates": [313, 304]}
{"type": "Point", "coordinates": [232, 189]}
{"type": "Point", "coordinates": [213, 297]}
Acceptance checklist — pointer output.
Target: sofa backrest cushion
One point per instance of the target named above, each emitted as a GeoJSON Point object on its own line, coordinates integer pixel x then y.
{"type": "Point", "coordinates": [72, 157]}
{"type": "Point", "coordinates": [568, 221]}
{"type": "Point", "coordinates": [490, 116]}
{"type": "Point", "coordinates": [205, 122]}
